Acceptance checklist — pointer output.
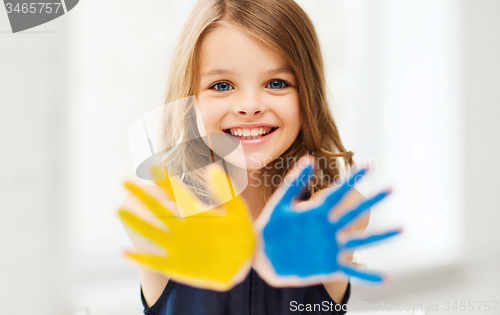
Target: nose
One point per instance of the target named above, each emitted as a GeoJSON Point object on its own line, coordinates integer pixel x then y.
{"type": "Point", "coordinates": [249, 105]}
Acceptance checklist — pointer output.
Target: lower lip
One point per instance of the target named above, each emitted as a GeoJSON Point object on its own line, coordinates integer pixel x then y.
{"type": "Point", "coordinates": [254, 142]}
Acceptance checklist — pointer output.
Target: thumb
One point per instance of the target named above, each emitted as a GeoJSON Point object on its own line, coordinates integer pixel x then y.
{"type": "Point", "coordinates": [296, 179]}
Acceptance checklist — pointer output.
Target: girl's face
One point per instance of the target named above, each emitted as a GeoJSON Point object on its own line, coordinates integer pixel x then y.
{"type": "Point", "coordinates": [248, 93]}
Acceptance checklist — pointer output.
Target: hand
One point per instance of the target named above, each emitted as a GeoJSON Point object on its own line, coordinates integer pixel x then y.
{"type": "Point", "coordinates": [210, 249]}
{"type": "Point", "coordinates": [300, 245]}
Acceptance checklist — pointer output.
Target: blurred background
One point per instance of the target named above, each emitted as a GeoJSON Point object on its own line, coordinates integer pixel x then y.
{"type": "Point", "coordinates": [414, 88]}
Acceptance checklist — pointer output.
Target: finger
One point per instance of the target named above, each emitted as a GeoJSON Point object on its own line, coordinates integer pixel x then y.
{"type": "Point", "coordinates": [351, 215]}
{"type": "Point", "coordinates": [363, 275]}
{"type": "Point", "coordinates": [336, 194]}
{"type": "Point", "coordinates": [187, 202]}
{"type": "Point", "coordinates": [353, 243]}
{"type": "Point", "coordinates": [296, 183]}
{"type": "Point", "coordinates": [166, 216]}
{"type": "Point", "coordinates": [144, 228]}
{"type": "Point", "coordinates": [152, 261]}
{"type": "Point", "coordinates": [218, 180]}
{"type": "Point", "coordinates": [160, 175]}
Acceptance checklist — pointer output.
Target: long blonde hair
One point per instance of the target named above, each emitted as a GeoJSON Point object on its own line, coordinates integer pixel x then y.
{"type": "Point", "coordinates": [284, 27]}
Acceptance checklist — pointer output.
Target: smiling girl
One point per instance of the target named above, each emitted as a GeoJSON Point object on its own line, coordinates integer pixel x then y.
{"type": "Point", "coordinates": [255, 70]}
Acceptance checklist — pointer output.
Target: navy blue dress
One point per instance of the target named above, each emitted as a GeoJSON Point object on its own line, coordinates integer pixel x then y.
{"type": "Point", "coordinates": [253, 296]}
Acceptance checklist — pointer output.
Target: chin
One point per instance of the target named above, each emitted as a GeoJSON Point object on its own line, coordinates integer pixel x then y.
{"type": "Point", "coordinates": [249, 162]}
{"type": "Point", "coordinates": [244, 164]}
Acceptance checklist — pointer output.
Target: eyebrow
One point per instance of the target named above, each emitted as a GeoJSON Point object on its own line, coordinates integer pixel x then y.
{"type": "Point", "coordinates": [226, 71]}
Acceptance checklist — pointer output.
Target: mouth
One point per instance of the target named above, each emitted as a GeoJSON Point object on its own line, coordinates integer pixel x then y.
{"type": "Point", "coordinates": [253, 133]}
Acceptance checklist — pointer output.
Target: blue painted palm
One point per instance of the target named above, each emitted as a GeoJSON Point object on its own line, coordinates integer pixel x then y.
{"type": "Point", "coordinates": [305, 244]}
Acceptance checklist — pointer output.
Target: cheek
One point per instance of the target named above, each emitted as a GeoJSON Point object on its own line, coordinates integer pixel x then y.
{"type": "Point", "coordinates": [209, 114]}
{"type": "Point", "coordinates": [289, 112]}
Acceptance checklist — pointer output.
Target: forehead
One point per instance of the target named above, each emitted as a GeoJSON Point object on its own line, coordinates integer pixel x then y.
{"type": "Point", "coordinates": [228, 47]}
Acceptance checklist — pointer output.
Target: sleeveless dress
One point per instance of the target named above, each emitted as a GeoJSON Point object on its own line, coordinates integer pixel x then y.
{"type": "Point", "coordinates": [253, 296]}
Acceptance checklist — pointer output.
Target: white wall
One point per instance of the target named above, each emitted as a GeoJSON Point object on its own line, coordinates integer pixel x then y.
{"type": "Point", "coordinates": [477, 275]}
{"type": "Point", "coordinates": [33, 166]}
{"type": "Point", "coordinates": [482, 129]}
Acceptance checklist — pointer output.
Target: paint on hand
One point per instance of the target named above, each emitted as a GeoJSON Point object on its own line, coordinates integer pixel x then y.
{"type": "Point", "coordinates": [306, 244]}
{"type": "Point", "coordinates": [210, 249]}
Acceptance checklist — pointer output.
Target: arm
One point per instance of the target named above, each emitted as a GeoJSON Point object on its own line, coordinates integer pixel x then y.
{"type": "Point", "coordinates": [153, 283]}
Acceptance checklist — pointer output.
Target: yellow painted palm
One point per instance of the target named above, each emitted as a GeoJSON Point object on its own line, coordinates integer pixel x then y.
{"type": "Point", "coordinates": [211, 249]}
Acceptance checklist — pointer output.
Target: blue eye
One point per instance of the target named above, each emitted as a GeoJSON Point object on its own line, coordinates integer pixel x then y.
{"type": "Point", "coordinates": [225, 86]}
{"type": "Point", "coordinates": [277, 84]}
{"type": "Point", "coordinates": [222, 86]}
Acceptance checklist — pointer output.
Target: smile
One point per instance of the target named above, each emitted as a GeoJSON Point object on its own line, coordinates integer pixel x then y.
{"type": "Point", "coordinates": [254, 133]}
{"type": "Point", "coordinates": [251, 135]}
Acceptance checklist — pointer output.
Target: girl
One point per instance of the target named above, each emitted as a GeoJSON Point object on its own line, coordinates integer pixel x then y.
{"type": "Point", "coordinates": [256, 73]}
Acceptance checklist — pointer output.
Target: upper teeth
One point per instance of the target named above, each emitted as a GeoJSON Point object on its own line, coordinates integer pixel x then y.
{"type": "Point", "coordinates": [250, 132]}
